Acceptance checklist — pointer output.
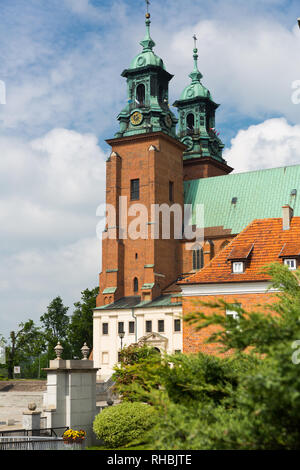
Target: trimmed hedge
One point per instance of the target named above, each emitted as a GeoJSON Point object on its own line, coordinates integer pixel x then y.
{"type": "Point", "coordinates": [121, 424]}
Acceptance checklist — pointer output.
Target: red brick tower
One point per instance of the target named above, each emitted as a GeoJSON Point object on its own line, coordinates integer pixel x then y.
{"type": "Point", "coordinates": [144, 169]}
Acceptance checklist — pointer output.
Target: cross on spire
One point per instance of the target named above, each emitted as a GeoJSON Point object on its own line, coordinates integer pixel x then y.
{"type": "Point", "coordinates": [195, 75]}
{"type": "Point", "coordinates": [147, 5]}
{"type": "Point", "coordinates": [147, 42]}
{"type": "Point", "coordinates": [195, 40]}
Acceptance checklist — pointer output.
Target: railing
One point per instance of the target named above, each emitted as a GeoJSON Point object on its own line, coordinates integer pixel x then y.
{"type": "Point", "coordinates": [32, 443]}
{"type": "Point", "coordinates": [24, 441]}
{"type": "Point", "coordinates": [46, 432]}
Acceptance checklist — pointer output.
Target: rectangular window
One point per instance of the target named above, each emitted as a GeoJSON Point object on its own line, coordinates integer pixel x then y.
{"type": "Point", "coordinates": [291, 264]}
{"type": "Point", "coordinates": [105, 358]}
{"type": "Point", "coordinates": [238, 267]}
{"type": "Point", "coordinates": [161, 326]}
{"type": "Point", "coordinates": [105, 328]}
{"type": "Point", "coordinates": [177, 351]}
{"type": "Point", "coordinates": [171, 191]}
{"type": "Point", "coordinates": [131, 327]}
{"type": "Point", "coordinates": [135, 190]}
{"type": "Point", "coordinates": [177, 325]}
{"type": "Point", "coordinates": [198, 258]}
{"type": "Point", "coordinates": [148, 326]}
{"type": "Point", "coordinates": [121, 327]}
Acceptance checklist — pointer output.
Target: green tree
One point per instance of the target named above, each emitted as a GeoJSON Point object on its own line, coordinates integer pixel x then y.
{"type": "Point", "coordinates": [262, 412]}
{"type": "Point", "coordinates": [250, 400]}
{"type": "Point", "coordinates": [138, 373]}
{"type": "Point", "coordinates": [81, 324]}
{"type": "Point", "coordinates": [55, 324]}
{"type": "Point", "coordinates": [28, 342]}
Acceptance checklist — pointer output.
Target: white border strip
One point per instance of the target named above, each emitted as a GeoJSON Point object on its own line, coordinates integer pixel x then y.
{"type": "Point", "coordinates": [196, 290]}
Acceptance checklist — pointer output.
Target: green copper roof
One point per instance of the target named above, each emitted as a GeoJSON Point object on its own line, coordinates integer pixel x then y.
{"type": "Point", "coordinates": [147, 56]}
{"type": "Point", "coordinates": [195, 89]}
{"type": "Point", "coordinates": [258, 195]}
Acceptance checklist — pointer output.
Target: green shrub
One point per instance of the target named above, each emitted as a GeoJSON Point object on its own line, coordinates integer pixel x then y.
{"type": "Point", "coordinates": [121, 424]}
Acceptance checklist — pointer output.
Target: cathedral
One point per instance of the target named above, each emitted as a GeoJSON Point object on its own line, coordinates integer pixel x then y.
{"type": "Point", "coordinates": [160, 160]}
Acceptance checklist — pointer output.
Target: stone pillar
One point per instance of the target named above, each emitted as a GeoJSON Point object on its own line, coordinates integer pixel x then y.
{"type": "Point", "coordinates": [32, 419]}
{"type": "Point", "coordinates": [70, 399]}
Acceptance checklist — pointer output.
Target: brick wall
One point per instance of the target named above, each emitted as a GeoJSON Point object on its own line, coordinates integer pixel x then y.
{"type": "Point", "coordinates": [123, 260]}
{"type": "Point", "coordinates": [195, 341]}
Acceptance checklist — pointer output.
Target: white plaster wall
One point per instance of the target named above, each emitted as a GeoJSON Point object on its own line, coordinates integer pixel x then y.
{"type": "Point", "coordinates": [110, 344]}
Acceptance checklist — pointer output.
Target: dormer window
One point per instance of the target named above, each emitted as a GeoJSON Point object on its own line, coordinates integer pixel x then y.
{"type": "Point", "coordinates": [240, 257]}
{"type": "Point", "coordinates": [290, 254]}
{"type": "Point", "coordinates": [291, 264]}
{"type": "Point", "coordinates": [238, 267]}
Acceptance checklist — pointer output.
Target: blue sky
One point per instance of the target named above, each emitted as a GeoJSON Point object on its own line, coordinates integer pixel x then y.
{"type": "Point", "coordinates": [61, 62]}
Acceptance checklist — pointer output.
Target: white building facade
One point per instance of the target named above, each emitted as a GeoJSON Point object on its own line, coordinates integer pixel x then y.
{"type": "Point", "coordinates": [159, 326]}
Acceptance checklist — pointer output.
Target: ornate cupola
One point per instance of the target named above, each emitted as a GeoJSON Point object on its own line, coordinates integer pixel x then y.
{"type": "Point", "coordinates": [147, 108]}
{"type": "Point", "coordinates": [196, 109]}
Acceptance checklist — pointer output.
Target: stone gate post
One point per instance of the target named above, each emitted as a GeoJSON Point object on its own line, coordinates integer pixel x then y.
{"type": "Point", "coordinates": [70, 398]}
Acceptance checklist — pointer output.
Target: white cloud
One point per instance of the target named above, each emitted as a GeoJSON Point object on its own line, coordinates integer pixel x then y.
{"type": "Point", "coordinates": [248, 65]}
{"type": "Point", "coordinates": [32, 278]}
{"type": "Point", "coordinates": [272, 143]}
{"type": "Point", "coordinates": [249, 61]}
{"type": "Point", "coordinates": [51, 188]}
{"type": "Point", "coordinates": [62, 71]}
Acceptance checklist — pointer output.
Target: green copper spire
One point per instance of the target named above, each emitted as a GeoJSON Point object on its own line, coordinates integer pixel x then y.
{"type": "Point", "coordinates": [196, 75]}
{"type": "Point", "coordinates": [147, 108]}
{"type": "Point", "coordinates": [147, 42]}
{"type": "Point", "coordinates": [147, 56]}
{"type": "Point", "coordinates": [196, 111]}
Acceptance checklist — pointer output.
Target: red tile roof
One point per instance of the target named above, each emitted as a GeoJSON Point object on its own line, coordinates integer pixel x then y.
{"type": "Point", "coordinates": [241, 252]}
{"type": "Point", "coordinates": [290, 249]}
{"type": "Point", "coordinates": [268, 239]}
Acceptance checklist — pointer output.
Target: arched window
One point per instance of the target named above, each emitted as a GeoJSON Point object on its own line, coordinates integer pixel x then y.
{"type": "Point", "coordinates": [198, 258]}
{"type": "Point", "coordinates": [210, 248]}
{"type": "Point", "coordinates": [190, 122]}
{"type": "Point", "coordinates": [225, 243]}
{"type": "Point", "coordinates": [140, 94]}
{"type": "Point", "coordinates": [135, 285]}
{"type": "Point", "coordinates": [162, 95]}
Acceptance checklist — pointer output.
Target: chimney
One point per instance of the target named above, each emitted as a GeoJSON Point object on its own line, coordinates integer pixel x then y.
{"type": "Point", "coordinates": [287, 214]}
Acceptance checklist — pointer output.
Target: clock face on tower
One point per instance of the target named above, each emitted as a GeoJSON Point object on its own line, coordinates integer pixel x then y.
{"type": "Point", "coordinates": [136, 118]}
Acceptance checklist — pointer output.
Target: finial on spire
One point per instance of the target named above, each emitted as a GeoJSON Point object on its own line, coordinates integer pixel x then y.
{"type": "Point", "coordinates": [196, 75]}
{"type": "Point", "coordinates": [147, 42]}
{"type": "Point", "coordinates": [195, 41]}
{"type": "Point", "coordinates": [147, 7]}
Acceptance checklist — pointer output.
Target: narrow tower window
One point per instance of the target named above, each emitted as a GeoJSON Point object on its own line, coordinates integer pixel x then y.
{"type": "Point", "coordinates": [171, 191]}
{"type": "Point", "coordinates": [140, 94]}
{"type": "Point", "coordinates": [135, 285]}
{"type": "Point", "coordinates": [190, 122]}
{"type": "Point", "coordinates": [135, 190]}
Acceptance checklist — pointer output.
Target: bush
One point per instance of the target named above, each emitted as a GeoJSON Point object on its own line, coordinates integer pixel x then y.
{"type": "Point", "coordinates": [121, 424]}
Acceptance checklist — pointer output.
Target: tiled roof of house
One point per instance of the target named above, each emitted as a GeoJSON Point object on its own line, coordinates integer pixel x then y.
{"type": "Point", "coordinates": [136, 302]}
{"type": "Point", "coordinates": [233, 201]}
{"type": "Point", "coordinates": [268, 239]}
